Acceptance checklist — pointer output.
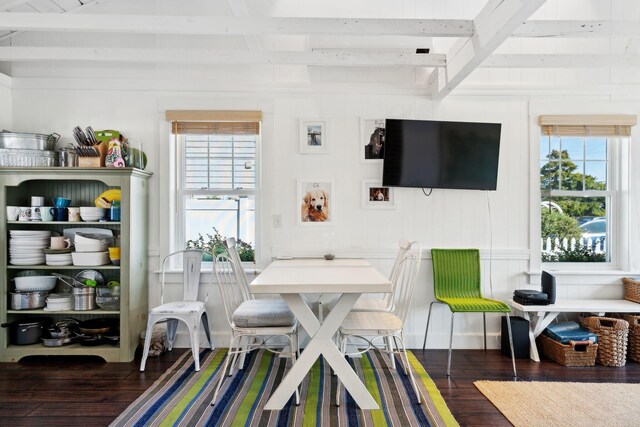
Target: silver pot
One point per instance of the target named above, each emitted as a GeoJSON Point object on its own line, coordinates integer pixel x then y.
{"type": "Point", "coordinates": [28, 300]}
{"type": "Point", "coordinates": [28, 141]}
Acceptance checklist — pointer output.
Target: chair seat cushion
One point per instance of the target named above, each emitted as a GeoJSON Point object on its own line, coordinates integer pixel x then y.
{"type": "Point", "coordinates": [260, 313]}
{"type": "Point", "coordinates": [475, 305]}
{"type": "Point", "coordinates": [370, 323]}
{"type": "Point", "coordinates": [179, 307]}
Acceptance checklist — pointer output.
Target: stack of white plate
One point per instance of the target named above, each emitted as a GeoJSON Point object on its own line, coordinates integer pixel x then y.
{"type": "Point", "coordinates": [26, 247]}
{"type": "Point", "coordinates": [59, 302]}
{"type": "Point", "coordinates": [88, 213]}
{"type": "Point", "coordinates": [58, 256]}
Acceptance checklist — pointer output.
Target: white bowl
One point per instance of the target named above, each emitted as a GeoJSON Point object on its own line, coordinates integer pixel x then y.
{"type": "Point", "coordinates": [95, 246]}
{"type": "Point", "coordinates": [94, 238]}
{"type": "Point", "coordinates": [37, 283]}
{"type": "Point", "coordinates": [90, 258]}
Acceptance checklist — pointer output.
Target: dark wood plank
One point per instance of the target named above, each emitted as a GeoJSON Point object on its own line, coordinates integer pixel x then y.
{"type": "Point", "coordinates": [86, 391]}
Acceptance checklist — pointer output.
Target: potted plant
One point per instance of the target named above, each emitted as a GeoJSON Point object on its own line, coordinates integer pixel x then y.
{"type": "Point", "coordinates": [214, 244]}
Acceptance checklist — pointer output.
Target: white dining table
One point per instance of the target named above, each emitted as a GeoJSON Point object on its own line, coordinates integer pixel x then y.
{"type": "Point", "coordinates": [294, 278]}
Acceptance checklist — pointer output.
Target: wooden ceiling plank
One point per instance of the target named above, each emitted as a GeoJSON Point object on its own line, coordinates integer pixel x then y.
{"type": "Point", "coordinates": [10, 4]}
{"type": "Point", "coordinates": [213, 56]}
{"type": "Point", "coordinates": [577, 29]}
{"type": "Point", "coordinates": [239, 9]}
{"type": "Point", "coordinates": [241, 25]}
{"type": "Point", "coordinates": [493, 25]}
{"type": "Point", "coordinates": [561, 61]}
{"type": "Point", "coordinates": [83, 6]}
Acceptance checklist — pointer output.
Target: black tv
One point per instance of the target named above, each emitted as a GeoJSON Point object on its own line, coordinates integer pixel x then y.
{"type": "Point", "coordinates": [438, 154]}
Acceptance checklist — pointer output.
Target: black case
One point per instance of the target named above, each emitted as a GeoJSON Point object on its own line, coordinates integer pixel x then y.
{"type": "Point", "coordinates": [546, 297]}
{"type": "Point", "coordinates": [529, 297]}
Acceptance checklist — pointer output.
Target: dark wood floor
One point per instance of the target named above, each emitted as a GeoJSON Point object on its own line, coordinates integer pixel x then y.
{"type": "Point", "coordinates": [85, 391]}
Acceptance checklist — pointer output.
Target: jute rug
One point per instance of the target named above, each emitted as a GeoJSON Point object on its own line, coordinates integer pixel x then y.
{"type": "Point", "coordinates": [182, 396]}
{"type": "Point", "coordinates": [564, 403]}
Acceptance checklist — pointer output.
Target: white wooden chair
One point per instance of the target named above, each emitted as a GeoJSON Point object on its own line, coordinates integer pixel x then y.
{"type": "Point", "coordinates": [386, 325]}
{"type": "Point", "coordinates": [386, 303]}
{"type": "Point", "coordinates": [191, 309]}
{"type": "Point", "coordinates": [257, 319]}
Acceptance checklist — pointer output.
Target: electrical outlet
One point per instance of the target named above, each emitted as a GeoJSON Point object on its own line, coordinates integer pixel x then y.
{"type": "Point", "coordinates": [277, 221]}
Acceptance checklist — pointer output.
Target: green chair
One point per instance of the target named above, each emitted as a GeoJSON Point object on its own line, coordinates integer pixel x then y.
{"type": "Point", "coordinates": [456, 283]}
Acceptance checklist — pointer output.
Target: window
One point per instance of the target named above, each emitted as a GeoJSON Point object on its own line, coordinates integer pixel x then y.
{"type": "Point", "coordinates": [217, 183]}
{"type": "Point", "coordinates": [579, 186]}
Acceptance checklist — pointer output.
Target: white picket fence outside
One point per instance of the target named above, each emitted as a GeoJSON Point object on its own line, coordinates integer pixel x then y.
{"type": "Point", "coordinates": [550, 245]}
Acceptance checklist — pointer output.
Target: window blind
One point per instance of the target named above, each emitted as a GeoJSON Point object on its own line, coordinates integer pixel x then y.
{"type": "Point", "coordinates": [587, 125]}
{"type": "Point", "coordinates": [208, 122]}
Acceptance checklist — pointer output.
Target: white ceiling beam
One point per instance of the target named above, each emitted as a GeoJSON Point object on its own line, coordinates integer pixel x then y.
{"type": "Point", "coordinates": [241, 25]}
{"type": "Point", "coordinates": [561, 61]}
{"type": "Point", "coordinates": [577, 29]}
{"type": "Point", "coordinates": [214, 56]}
{"type": "Point", "coordinates": [493, 25]}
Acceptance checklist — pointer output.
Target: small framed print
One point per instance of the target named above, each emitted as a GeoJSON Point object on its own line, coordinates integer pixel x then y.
{"type": "Point", "coordinates": [315, 202]}
{"type": "Point", "coordinates": [375, 196]}
{"type": "Point", "coordinates": [372, 134]}
{"type": "Point", "coordinates": [313, 137]}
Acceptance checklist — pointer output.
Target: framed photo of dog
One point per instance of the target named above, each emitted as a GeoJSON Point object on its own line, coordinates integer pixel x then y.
{"type": "Point", "coordinates": [315, 197]}
{"type": "Point", "coordinates": [372, 133]}
{"type": "Point", "coordinates": [375, 196]}
{"type": "Point", "coordinates": [313, 137]}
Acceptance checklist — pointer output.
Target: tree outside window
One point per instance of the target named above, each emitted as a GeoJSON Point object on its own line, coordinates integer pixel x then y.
{"type": "Point", "coordinates": [575, 200]}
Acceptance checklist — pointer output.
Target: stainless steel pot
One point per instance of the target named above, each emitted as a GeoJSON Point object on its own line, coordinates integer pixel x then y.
{"type": "Point", "coordinates": [28, 141]}
{"type": "Point", "coordinates": [28, 300]}
{"type": "Point", "coordinates": [68, 158]}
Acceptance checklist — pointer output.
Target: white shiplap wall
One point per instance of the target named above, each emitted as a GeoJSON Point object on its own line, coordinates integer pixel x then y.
{"type": "Point", "coordinates": [448, 218]}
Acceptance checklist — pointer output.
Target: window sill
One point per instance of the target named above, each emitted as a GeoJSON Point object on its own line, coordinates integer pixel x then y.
{"type": "Point", "coordinates": [582, 277]}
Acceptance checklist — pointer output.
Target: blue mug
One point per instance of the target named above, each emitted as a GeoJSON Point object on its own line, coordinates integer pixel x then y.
{"type": "Point", "coordinates": [61, 202]}
{"type": "Point", "coordinates": [60, 214]}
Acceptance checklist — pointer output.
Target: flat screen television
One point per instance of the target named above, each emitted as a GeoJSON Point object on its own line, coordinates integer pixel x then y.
{"type": "Point", "coordinates": [437, 154]}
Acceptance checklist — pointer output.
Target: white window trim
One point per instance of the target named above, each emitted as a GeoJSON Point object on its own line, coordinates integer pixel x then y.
{"type": "Point", "coordinates": [178, 238]}
{"type": "Point", "coordinates": [619, 218]}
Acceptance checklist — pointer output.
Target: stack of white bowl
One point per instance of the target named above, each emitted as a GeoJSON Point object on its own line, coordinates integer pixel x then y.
{"type": "Point", "coordinates": [90, 250]}
{"type": "Point", "coordinates": [26, 246]}
{"type": "Point", "coordinates": [88, 213]}
{"type": "Point", "coordinates": [59, 302]}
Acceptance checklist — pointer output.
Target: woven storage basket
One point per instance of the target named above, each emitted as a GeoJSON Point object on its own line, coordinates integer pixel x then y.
{"type": "Point", "coordinates": [612, 339]}
{"type": "Point", "coordinates": [576, 353]}
{"type": "Point", "coordinates": [631, 289]}
{"type": "Point", "coordinates": [633, 346]}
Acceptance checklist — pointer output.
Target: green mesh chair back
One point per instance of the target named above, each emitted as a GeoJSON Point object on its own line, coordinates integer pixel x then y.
{"type": "Point", "coordinates": [457, 281]}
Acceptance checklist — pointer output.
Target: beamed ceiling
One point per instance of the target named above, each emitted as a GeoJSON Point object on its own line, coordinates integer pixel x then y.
{"type": "Point", "coordinates": [454, 40]}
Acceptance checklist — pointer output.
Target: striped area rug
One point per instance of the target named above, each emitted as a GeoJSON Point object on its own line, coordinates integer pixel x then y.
{"type": "Point", "coordinates": [181, 397]}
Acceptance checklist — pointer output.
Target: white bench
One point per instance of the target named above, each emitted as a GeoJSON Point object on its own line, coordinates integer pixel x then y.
{"type": "Point", "coordinates": [541, 316]}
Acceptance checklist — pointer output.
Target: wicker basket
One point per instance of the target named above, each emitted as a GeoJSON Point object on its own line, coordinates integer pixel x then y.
{"type": "Point", "coordinates": [612, 339]}
{"type": "Point", "coordinates": [633, 346]}
{"type": "Point", "coordinates": [576, 353]}
{"type": "Point", "coordinates": [631, 289]}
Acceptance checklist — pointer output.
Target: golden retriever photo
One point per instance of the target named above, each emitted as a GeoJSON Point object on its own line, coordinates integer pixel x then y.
{"type": "Point", "coordinates": [315, 206]}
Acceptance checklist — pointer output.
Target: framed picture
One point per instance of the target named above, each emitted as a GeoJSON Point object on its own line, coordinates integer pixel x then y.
{"type": "Point", "coordinates": [313, 137]}
{"type": "Point", "coordinates": [315, 202]}
{"type": "Point", "coordinates": [375, 196]}
{"type": "Point", "coordinates": [372, 133]}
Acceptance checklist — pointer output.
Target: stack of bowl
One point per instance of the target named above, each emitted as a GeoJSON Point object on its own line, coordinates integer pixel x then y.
{"type": "Point", "coordinates": [59, 302]}
{"type": "Point", "coordinates": [89, 213]}
{"type": "Point", "coordinates": [108, 297]}
{"type": "Point", "coordinates": [90, 250]}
